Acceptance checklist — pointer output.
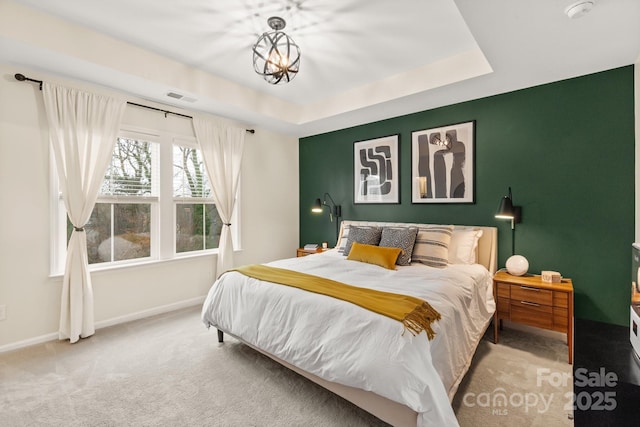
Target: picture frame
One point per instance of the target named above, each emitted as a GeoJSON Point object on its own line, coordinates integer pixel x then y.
{"type": "Point", "coordinates": [443, 164]}
{"type": "Point", "coordinates": [376, 175]}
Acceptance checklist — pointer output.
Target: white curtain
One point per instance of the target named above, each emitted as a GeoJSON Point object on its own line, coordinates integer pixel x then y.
{"type": "Point", "coordinates": [222, 153]}
{"type": "Point", "coordinates": [83, 128]}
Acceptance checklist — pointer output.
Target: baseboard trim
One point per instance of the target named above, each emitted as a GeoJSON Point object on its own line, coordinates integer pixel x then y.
{"type": "Point", "coordinates": [109, 322]}
{"type": "Point", "coordinates": [29, 342]}
{"type": "Point", "coordinates": [149, 312]}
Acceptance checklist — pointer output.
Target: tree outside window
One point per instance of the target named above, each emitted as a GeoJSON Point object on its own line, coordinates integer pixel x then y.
{"type": "Point", "coordinates": [120, 225]}
{"type": "Point", "coordinates": [198, 225]}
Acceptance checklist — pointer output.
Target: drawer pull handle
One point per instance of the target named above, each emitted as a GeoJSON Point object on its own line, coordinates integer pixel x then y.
{"type": "Point", "coordinates": [530, 288]}
{"type": "Point", "coordinates": [530, 303]}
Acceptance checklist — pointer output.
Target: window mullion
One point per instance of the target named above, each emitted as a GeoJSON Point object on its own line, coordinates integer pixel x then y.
{"type": "Point", "coordinates": [113, 228]}
{"type": "Point", "coordinates": [166, 206]}
{"type": "Point", "coordinates": [204, 227]}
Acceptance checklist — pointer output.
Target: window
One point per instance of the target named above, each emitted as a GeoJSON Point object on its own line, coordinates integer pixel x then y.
{"type": "Point", "coordinates": [155, 203]}
{"type": "Point", "coordinates": [198, 224]}
{"type": "Point", "coordinates": [119, 228]}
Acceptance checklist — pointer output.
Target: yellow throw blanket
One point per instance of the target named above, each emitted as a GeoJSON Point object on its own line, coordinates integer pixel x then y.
{"type": "Point", "coordinates": [415, 314]}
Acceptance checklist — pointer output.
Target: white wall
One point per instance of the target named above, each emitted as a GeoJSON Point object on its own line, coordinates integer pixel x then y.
{"type": "Point", "coordinates": [269, 221]}
{"type": "Point", "coordinates": [636, 85]}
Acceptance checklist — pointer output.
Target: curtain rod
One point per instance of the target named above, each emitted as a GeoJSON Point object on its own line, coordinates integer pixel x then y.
{"type": "Point", "coordinates": [22, 77]}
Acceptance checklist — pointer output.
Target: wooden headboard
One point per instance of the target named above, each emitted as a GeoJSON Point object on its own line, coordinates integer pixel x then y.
{"type": "Point", "coordinates": [487, 245]}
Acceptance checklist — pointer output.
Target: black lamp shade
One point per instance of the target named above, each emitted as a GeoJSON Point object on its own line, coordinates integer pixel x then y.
{"type": "Point", "coordinates": [317, 206]}
{"type": "Point", "coordinates": [505, 208]}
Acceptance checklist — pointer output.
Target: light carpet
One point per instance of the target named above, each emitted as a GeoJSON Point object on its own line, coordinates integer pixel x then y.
{"type": "Point", "coordinates": [169, 370]}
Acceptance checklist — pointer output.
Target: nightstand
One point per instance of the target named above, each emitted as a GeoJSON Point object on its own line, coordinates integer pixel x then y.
{"type": "Point", "coordinates": [530, 301]}
{"type": "Point", "coordinates": [304, 252]}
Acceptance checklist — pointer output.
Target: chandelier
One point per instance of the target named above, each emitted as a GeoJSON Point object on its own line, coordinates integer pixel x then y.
{"type": "Point", "coordinates": [276, 57]}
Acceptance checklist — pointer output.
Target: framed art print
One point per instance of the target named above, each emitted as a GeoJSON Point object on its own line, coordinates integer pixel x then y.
{"type": "Point", "coordinates": [375, 170]}
{"type": "Point", "coordinates": [443, 164]}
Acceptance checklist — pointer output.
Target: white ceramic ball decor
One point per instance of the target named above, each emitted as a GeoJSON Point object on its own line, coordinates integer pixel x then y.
{"type": "Point", "coordinates": [517, 265]}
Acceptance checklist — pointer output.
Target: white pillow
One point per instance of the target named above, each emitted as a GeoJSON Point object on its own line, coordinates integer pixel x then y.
{"type": "Point", "coordinates": [463, 248]}
{"type": "Point", "coordinates": [342, 241]}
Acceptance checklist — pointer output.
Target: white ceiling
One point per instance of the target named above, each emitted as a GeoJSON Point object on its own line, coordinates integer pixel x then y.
{"type": "Point", "coordinates": [362, 60]}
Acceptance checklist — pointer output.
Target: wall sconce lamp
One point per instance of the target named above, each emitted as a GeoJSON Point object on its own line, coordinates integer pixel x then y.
{"type": "Point", "coordinates": [506, 210]}
{"type": "Point", "coordinates": [334, 210]}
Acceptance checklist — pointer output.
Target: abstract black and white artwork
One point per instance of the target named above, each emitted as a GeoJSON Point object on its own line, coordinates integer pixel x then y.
{"type": "Point", "coordinates": [375, 171]}
{"type": "Point", "coordinates": [442, 164]}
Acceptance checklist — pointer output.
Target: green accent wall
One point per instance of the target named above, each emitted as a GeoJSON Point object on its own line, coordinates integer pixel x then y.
{"type": "Point", "coordinates": [566, 149]}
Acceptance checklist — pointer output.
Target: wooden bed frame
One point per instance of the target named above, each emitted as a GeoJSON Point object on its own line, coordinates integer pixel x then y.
{"type": "Point", "coordinates": [387, 410]}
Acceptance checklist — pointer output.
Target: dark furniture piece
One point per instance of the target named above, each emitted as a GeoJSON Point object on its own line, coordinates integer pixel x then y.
{"type": "Point", "coordinates": [603, 352]}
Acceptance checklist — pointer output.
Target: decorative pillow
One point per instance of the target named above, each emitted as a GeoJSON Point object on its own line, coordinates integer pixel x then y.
{"type": "Point", "coordinates": [365, 235]}
{"type": "Point", "coordinates": [343, 238]}
{"type": "Point", "coordinates": [432, 245]}
{"type": "Point", "coordinates": [377, 255]}
{"type": "Point", "coordinates": [463, 248]}
{"type": "Point", "coordinates": [400, 237]}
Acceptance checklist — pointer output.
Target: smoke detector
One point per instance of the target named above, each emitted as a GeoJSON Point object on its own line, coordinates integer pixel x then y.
{"type": "Point", "coordinates": [579, 8]}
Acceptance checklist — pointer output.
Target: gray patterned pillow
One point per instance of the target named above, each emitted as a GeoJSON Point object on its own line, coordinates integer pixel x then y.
{"type": "Point", "coordinates": [364, 235]}
{"type": "Point", "coordinates": [400, 237]}
{"type": "Point", "coordinates": [432, 245]}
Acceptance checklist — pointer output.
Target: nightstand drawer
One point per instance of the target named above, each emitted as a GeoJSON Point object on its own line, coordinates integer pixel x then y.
{"type": "Point", "coordinates": [532, 314]}
{"type": "Point", "coordinates": [530, 294]}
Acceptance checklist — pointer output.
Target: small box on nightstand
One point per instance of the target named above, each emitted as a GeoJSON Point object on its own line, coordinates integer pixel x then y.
{"type": "Point", "coordinates": [551, 277]}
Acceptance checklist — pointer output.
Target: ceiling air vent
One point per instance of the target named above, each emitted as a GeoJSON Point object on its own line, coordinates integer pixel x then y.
{"type": "Point", "coordinates": [182, 97]}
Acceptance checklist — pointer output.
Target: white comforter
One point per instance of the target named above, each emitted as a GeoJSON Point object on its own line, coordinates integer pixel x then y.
{"type": "Point", "coordinates": [347, 344]}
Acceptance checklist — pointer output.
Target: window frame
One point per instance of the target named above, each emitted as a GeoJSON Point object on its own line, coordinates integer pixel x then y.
{"type": "Point", "coordinates": [163, 207]}
{"type": "Point", "coordinates": [189, 143]}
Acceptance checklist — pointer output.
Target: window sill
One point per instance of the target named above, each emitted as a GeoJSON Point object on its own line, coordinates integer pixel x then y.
{"type": "Point", "coordinates": [145, 263]}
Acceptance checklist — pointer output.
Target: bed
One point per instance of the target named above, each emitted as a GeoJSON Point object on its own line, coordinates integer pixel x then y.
{"type": "Point", "coordinates": [371, 360]}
